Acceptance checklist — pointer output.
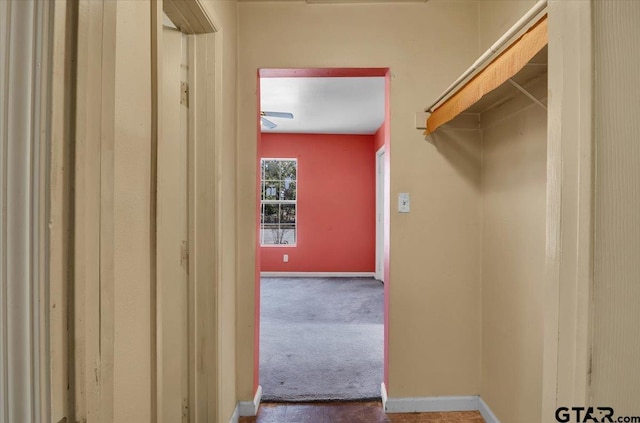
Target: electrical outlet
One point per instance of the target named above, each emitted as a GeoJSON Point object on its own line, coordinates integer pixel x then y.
{"type": "Point", "coordinates": [285, 258]}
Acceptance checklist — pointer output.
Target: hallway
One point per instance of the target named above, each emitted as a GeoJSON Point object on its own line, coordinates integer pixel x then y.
{"type": "Point", "coordinates": [511, 242]}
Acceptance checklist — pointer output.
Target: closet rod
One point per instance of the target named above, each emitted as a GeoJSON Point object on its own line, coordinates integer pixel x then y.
{"type": "Point", "coordinates": [495, 48]}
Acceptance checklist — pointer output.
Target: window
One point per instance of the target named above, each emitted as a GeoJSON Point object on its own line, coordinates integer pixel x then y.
{"type": "Point", "coordinates": [278, 202]}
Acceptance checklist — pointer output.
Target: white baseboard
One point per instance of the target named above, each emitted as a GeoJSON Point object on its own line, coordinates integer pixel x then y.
{"type": "Point", "coordinates": [383, 395]}
{"type": "Point", "coordinates": [434, 404]}
{"type": "Point", "coordinates": [486, 412]}
{"type": "Point", "coordinates": [235, 417]}
{"type": "Point", "coordinates": [250, 408]}
{"type": "Point", "coordinates": [317, 274]}
{"type": "Point", "coordinates": [427, 404]}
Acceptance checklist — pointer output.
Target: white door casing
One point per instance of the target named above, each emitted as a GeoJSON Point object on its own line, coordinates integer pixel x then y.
{"type": "Point", "coordinates": [380, 211]}
{"type": "Point", "coordinates": [25, 43]}
{"type": "Point", "coordinates": [172, 239]}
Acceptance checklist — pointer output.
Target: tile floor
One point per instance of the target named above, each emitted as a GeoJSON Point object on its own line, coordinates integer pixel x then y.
{"type": "Point", "coordinates": [351, 412]}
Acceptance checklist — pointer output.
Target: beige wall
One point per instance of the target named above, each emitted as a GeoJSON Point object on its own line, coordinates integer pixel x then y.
{"type": "Point", "coordinates": [495, 17]}
{"type": "Point", "coordinates": [514, 140]}
{"type": "Point", "coordinates": [131, 230]}
{"type": "Point", "coordinates": [616, 291]}
{"type": "Point", "coordinates": [434, 282]}
{"type": "Point", "coordinates": [512, 248]}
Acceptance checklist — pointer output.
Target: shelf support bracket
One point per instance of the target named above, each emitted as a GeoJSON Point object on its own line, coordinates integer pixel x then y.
{"type": "Point", "coordinates": [527, 93]}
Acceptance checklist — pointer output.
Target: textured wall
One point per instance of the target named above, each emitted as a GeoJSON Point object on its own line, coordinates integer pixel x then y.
{"type": "Point", "coordinates": [615, 378]}
{"type": "Point", "coordinates": [20, 210]}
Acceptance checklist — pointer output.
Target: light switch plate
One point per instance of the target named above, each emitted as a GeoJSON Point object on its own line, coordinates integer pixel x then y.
{"type": "Point", "coordinates": [404, 202]}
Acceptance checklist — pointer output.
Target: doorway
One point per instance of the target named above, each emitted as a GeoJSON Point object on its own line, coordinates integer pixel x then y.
{"type": "Point", "coordinates": [295, 264]}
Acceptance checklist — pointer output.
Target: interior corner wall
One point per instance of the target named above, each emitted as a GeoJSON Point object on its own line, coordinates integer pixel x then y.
{"type": "Point", "coordinates": [514, 166]}
{"type": "Point", "coordinates": [335, 203]}
{"type": "Point", "coordinates": [514, 171]}
{"type": "Point", "coordinates": [615, 378]}
{"type": "Point", "coordinates": [434, 250]}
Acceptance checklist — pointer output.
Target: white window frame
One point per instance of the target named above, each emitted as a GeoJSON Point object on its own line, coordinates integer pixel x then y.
{"type": "Point", "coordinates": [293, 202]}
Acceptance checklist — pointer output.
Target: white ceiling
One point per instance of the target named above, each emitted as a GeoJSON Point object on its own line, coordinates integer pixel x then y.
{"type": "Point", "coordinates": [337, 105]}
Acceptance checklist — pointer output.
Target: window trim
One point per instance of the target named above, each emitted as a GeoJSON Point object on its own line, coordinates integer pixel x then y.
{"type": "Point", "coordinates": [279, 202]}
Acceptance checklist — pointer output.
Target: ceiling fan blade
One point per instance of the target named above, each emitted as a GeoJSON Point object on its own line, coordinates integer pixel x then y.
{"type": "Point", "coordinates": [278, 114]}
{"type": "Point", "coordinates": [267, 123]}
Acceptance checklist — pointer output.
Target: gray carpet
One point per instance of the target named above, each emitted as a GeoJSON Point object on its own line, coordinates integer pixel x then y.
{"type": "Point", "coordinates": [321, 339]}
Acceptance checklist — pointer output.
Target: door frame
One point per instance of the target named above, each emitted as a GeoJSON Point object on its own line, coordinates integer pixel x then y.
{"type": "Point", "coordinates": [172, 275]}
{"type": "Point", "coordinates": [92, 291]}
{"type": "Point", "coordinates": [33, 146]}
{"type": "Point", "coordinates": [204, 134]}
{"type": "Point", "coordinates": [323, 72]}
{"type": "Point", "coordinates": [381, 210]}
{"type": "Point", "coordinates": [570, 215]}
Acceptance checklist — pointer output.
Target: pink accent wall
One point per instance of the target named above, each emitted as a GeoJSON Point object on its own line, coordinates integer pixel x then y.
{"type": "Point", "coordinates": [336, 203]}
